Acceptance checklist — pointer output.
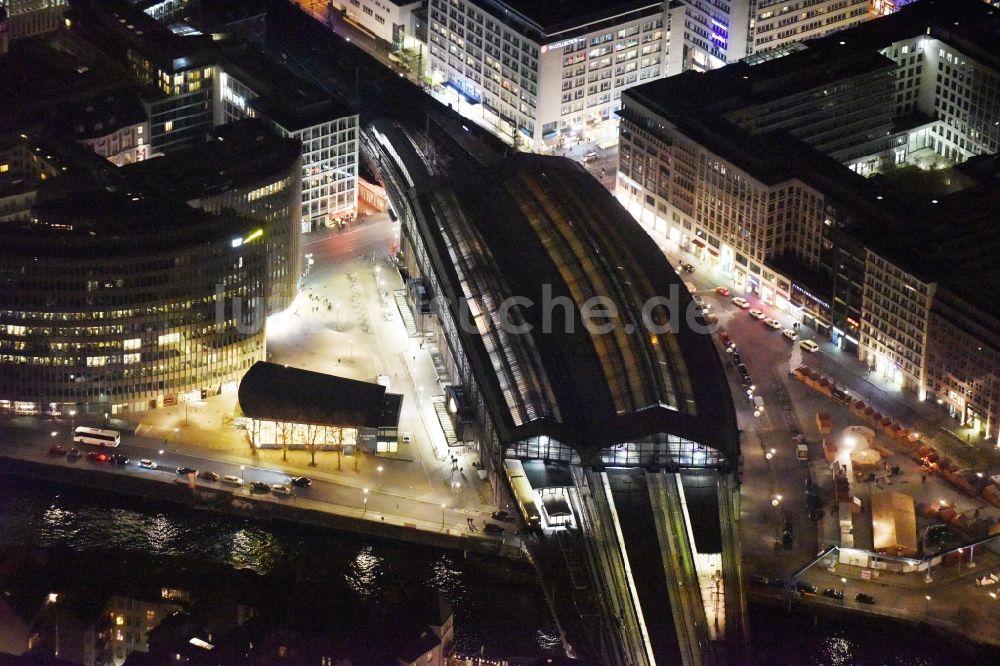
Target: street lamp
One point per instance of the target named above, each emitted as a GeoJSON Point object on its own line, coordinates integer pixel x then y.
{"type": "Point", "coordinates": [442, 515]}
{"type": "Point", "coordinates": [379, 470]}
{"type": "Point", "coordinates": [72, 414]}
{"type": "Point", "coordinates": [352, 347]}
{"type": "Point", "coordinates": [927, 605]}
{"type": "Point", "coordinates": [364, 502]}
{"type": "Point", "coordinates": [843, 589]}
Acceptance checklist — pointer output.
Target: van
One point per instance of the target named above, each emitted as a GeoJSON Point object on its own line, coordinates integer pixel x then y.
{"type": "Point", "coordinates": [809, 345]}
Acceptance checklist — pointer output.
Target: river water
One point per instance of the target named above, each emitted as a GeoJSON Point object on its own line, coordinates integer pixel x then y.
{"type": "Point", "coordinates": [494, 614]}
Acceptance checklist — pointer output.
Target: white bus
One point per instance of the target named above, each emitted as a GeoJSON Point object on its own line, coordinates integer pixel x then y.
{"type": "Point", "coordinates": [96, 437]}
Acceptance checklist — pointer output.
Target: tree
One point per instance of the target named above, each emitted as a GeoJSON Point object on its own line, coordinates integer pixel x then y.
{"type": "Point", "coordinates": [285, 429]}
{"type": "Point", "coordinates": [312, 435]}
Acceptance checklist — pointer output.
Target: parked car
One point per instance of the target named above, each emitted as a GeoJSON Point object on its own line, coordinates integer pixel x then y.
{"type": "Point", "coordinates": [722, 291]}
{"type": "Point", "coordinates": [687, 268]}
{"type": "Point", "coordinates": [815, 514]}
{"type": "Point", "coordinates": [809, 345]}
{"type": "Point", "coordinates": [259, 487]}
{"type": "Point", "coordinates": [57, 450]}
{"type": "Point", "coordinates": [281, 489]}
{"type": "Point", "coordinates": [756, 314]}
{"type": "Point", "coordinates": [184, 471]}
{"type": "Point", "coordinates": [231, 480]}
{"type": "Point", "coordinates": [146, 463]}
{"type": "Point", "coordinates": [493, 529]}
{"type": "Point", "coordinates": [208, 475]}
{"type": "Point", "coordinates": [863, 598]}
{"type": "Point", "coordinates": [505, 516]}
{"type": "Point", "coordinates": [773, 323]}
{"type": "Point", "coordinates": [831, 593]}
{"type": "Point", "coordinates": [741, 302]}
{"type": "Point", "coordinates": [120, 459]}
{"type": "Point", "coordinates": [407, 437]}
{"type": "Point", "coordinates": [301, 482]}
{"type": "Point", "coordinates": [73, 453]}
{"type": "Point", "coordinates": [98, 456]}
{"type": "Point", "coordinates": [790, 334]}
{"type": "Point", "coordinates": [757, 579]}
{"type": "Point", "coordinates": [777, 582]}
{"type": "Point", "coordinates": [805, 588]}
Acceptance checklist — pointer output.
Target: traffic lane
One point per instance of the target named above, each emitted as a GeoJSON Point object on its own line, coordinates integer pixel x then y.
{"type": "Point", "coordinates": [363, 238]}
{"type": "Point", "coordinates": [168, 462]}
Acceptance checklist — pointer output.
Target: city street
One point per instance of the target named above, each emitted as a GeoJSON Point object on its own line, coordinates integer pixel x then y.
{"type": "Point", "coordinates": [790, 408]}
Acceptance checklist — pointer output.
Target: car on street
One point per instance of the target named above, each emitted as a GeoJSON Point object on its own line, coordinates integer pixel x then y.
{"type": "Point", "coordinates": [184, 471]}
{"type": "Point", "coordinates": [98, 456]}
{"type": "Point", "coordinates": [831, 593]}
{"type": "Point", "coordinates": [590, 157]}
{"type": "Point", "coordinates": [407, 438]}
{"type": "Point", "coordinates": [73, 453]}
{"type": "Point", "coordinates": [259, 487]}
{"type": "Point", "coordinates": [757, 579]}
{"type": "Point", "coordinates": [741, 302]}
{"type": "Point", "coordinates": [815, 514]}
{"type": "Point", "coordinates": [146, 463]}
{"type": "Point", "coordinates": [687, 268]}
{"type": "Point", "coordinates": [773, 323]}
{"type": "Point", "coordinates": [505, 516]}
{"type": "Point", "coordinates": [863, 598]}
{"type": "Point", "coordinates": [805, 588]}
{"type": "Point", "coordinates": [493, 529]}
{"type": "Point", "coordinates": [119, 459]}
{"type": "Point", "coordinates": [702, 306]}
{"type": "Point", "coordinates": [57, 450]}
{"type": "Point", "coordinates": [722, 291]}
{"type": "Point", "coordinates": [208, 475]}
{"type": "Point", "coordinates": [809, 345]}
{"type": "Point", "coordinates": [776, 582]}
{"type": "Point", "coordinates": [790, 334]}
{"type": "Point", "coordinates": [756, 314]}
{"type": "Point", "coordinates": [231, 480]}
{"type": "Point", "coordinates": [742, 369]}
{"type": "Point", "coordinates": [281, 489]}
{"type": "Point", "coordinates": [737, 359]}
{"type": "Point", "coordinates": [301, 482]}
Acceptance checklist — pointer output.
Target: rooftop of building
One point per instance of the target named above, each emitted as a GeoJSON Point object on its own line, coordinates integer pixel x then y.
{"type": "Point", "coordinates": [290, 101]}
{"type": "Point", "coordinates": [34, 76]}
{"type": "Point", "coordinates": [541, 228]}
{"type": "Point", "coordinates": [972, 26]}
{"type": "Point", "coordinates": [554, 17]}
{"type": "Point", "coordinates": [114, 24]}
{"type": "Point", "coordinates": [945, 235]}
{"type": "Point", "coordinates": [97, 116]}
{"type": "Point", "coordinates": [242, 154]}
{"type": "Point", "coordinates": [273, 392]}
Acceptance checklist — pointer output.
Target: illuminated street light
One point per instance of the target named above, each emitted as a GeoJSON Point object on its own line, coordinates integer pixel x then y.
{"type": "Point", "coordinates": [379, 470]}
{"type": "Point", "coordinates": [442, 515]}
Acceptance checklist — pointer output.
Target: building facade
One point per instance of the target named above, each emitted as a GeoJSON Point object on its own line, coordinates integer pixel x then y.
{"type": "Point", "coordinates": [777, 23]}
{"type": "Point", "coordinates": [755, 170]}
{"type": "Point", "coordinates": [541, 72]}
{"type": "Point", "coordinates": [123, 301]}
{"type": "Point", "coordinates": [253, 87]}
{"type": "Point", "coordinates": [391, 21]}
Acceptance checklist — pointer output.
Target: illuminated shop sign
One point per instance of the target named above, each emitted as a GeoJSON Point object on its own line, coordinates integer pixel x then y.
{"type": "Point", "coordinates": [559, 45]}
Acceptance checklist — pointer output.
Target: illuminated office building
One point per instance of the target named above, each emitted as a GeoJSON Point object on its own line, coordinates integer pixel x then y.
{"type": "Point", "coordinates": [118, 299]}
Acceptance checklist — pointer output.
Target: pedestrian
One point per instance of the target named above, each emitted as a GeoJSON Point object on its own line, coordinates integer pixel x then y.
{"type": "Point", "coordinates": [923, 478]}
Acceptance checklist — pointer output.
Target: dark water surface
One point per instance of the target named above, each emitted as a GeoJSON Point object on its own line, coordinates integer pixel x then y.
{"type": "Point", "coordinates": [500, 614]}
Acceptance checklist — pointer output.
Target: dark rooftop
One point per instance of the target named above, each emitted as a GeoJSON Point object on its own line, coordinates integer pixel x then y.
{"type": "Point", "coordinates": [532, 224]}
{"type": "Point", "coordinates": [290, 101]}
{"type": "Point", "coordinates": [279, 393]}
{"type": "Point", "coordinates": [554, 16]}
{"type": "Point", "coordinates": [244, 154]}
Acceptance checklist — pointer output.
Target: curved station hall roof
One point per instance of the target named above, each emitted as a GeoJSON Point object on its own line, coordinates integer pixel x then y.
{"type": "Point", "coordinates": [543, 230]}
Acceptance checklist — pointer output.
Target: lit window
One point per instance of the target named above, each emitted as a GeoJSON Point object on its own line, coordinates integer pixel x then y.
{"type": "Point", "coordinates": [4, 168]}
{"type": "Point", "coordinates": [168, 126]}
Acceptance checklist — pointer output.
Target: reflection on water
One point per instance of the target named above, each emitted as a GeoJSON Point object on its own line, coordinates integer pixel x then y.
{"type": "Point", "coordinates": [364, 575]}
{"type": "Point", "coordinates": [499, 617]}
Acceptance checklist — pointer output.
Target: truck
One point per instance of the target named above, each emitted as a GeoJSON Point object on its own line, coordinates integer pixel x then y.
{"type": "Point", "coordinates": [802, 453]}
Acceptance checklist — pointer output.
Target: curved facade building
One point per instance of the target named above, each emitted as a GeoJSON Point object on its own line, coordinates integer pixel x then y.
{"type": "Point", "coordinates": [113, 302]}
